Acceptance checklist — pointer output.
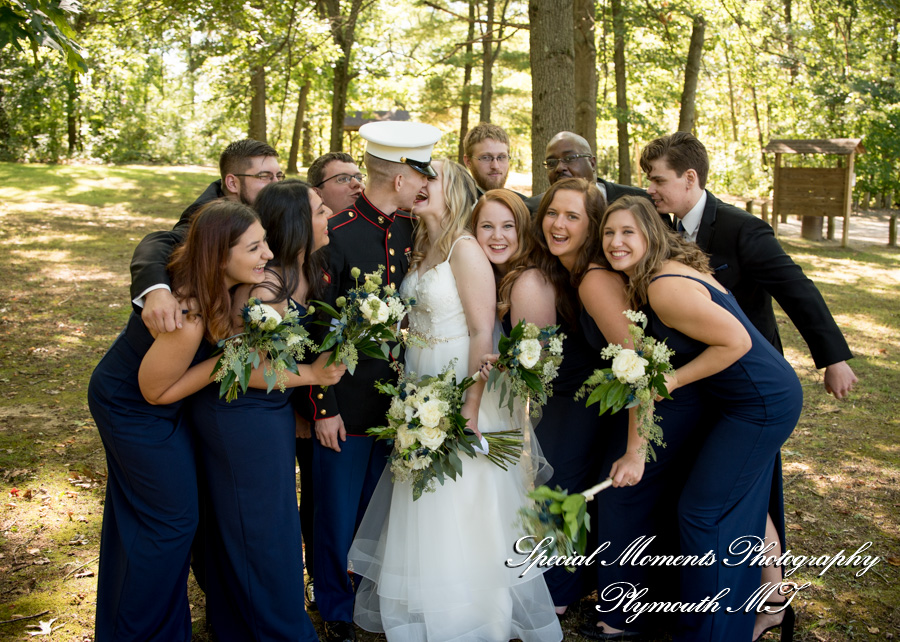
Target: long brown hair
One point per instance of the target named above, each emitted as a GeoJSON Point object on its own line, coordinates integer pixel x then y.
{"type": "Point", "coordinates": [197, 265]}
{"type": "Point", "coordinates": [663, 244]}
{"type": "Point", "coordinates": [567, 282]}
{"type": "Point", "coordinates": [522, 259]}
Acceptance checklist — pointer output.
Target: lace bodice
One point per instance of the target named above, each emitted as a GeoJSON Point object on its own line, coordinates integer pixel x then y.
{"type": "Point", "coordinates": [437, 316]}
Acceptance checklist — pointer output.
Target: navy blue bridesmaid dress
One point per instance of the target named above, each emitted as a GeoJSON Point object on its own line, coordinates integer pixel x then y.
{"type": "Point", "coordinates": [150, 514]}
{"type": "Point", "coordinates": [642, 519]}
{"type": "Point", "coordinates": [729, 489]}
{"type": "Point", "coordinates": [254, 558]}
{"type": "Point", "coordinates": [572, 438]}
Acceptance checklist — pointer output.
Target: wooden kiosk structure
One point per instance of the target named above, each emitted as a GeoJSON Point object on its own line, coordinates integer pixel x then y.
{"type": "Point", "coordinates": [814, 192]}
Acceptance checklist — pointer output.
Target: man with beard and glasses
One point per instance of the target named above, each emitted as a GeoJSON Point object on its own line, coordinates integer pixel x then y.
{"type": "Point", "coordinates": [246, 166]}
{"type": "Point", "coordinates": [486, 156]}
{"type": "Point", "coordinates": [337, 180]}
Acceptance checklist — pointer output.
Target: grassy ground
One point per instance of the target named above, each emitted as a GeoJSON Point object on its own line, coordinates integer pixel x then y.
{"type": "Point", "coordinates": [67, 234]}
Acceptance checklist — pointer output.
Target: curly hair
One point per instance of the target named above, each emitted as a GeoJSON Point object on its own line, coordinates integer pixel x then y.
{"type": "Point", "coordinates": [460, 194]}
{"type": "Point", "coordinates": [197, 265]}
{"type": "Point", "coordinates": [663, 244]}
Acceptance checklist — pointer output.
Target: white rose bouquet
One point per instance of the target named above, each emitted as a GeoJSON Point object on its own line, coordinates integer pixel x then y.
{"type": "Point", "coordinates": [528, 364]}
{"type": "Point", "coordinates": [429, 432]}
{"type": "Point", "coordinates": [364, 321]}
{"type": "Point", "coordinates": [281, 341]}
{"type": "Point", "coordinates": [635, 378]}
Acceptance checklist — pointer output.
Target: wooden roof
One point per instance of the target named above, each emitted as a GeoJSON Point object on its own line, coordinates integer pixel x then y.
{"type": "Point", "coordinates": [842, 146]}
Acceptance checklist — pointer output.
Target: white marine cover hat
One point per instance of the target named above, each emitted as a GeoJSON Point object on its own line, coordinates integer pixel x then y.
{"type": "Point", "coordinates": [402, 142]}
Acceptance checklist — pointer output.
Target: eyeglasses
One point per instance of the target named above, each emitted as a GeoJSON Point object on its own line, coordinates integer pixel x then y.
{"type": "Point", "coordinates": [344, 179]}
{"type": "Point", "coordinates": [551, 163]}
{"type": "Point", "coordinates": [487, 158]}
{"type": "Point", "coordinates": [268, 177]}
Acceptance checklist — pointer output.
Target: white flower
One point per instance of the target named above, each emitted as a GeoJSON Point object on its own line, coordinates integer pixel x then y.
{"type": "Point", "coordinates": [293, 339]}
{"type": "Point", "coordinates": [628, 367]}
{"type": "Point", "coordinates": [405, 437]}
{"type": "Point", "coordinates": [374, 310]}
{"type": "Point", "coordinates": [530, 331]}
{"type": "Point", "coordinates": [398, 408]}
{"type": "Point", "coordinates": [419, 463]}
{"type": "Point", "coordinates": [529, 352]}
{"type": "Point", "coordinates": [431, 437]}
{"type": "Point", "coordinates": [610, 351]}
{"type": "Point", "coordinates": [638, 318]}
{"type": "Point", "coordinates": [397, 308]}
{"type": "Point", "coordinates": [661, 353]}
{"type": "Point", "coordinates": [430, 413]}
{"type": "Point", "coordinates": [555, 345]}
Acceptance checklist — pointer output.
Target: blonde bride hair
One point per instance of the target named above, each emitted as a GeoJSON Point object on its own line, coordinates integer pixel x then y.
{"type": "Point", "coordinates": [460, 194]}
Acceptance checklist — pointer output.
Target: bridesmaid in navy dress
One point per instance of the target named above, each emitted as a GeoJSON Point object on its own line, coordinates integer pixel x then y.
{"type": "Point", "coordinates": [135, 396]}
{"type": "Point", "coordinates": [255, 563]}
{"type": "Point", "coordinates": [757, 394]}
{"type": "Point", "coordinates": [566, 230]}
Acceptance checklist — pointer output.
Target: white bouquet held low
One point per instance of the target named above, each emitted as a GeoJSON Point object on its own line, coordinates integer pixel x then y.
{"type": "Point", "coordinates": [528, 364]}
{"type": "Point", "coordinates": [364, 321]}
{"type": "Point", "coordinates": [430, 434]}
{"type": "Point", "coordinates": [635, 378]}
{"type": "Point", "coordinates": [282, 342]}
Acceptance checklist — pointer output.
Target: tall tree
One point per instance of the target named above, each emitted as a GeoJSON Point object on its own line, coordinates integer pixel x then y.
{"type": "Point", "coordinates": [688, 112]}
{"type": "Point", "coordinates": [299, 125]}
{"type": "Point", "coordinates": [487, 64]}
{"type": "Point", "coordinates": [257, 125]}
{"type": "Point", "coordinates": [584, 23]}
{"type": "Point", "coordinates": [467, 83]}
{"type": "Point", "coordinates": [618, 17]}
{"type": "Point", "coordinates": [342, 17]}
{"type": "Point", "coordinates": [552, 54]}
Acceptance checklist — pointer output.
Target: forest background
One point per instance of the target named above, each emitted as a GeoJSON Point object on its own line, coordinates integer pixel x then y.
{"type": "Point", "coordinates": [173, 81]}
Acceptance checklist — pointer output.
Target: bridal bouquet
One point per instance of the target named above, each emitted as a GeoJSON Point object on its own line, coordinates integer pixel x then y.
{"type": "Point", "coordinates": [282, 341]}
{"type": "Point", "coordinates": [429, 432]}
{"type": "Point", "coordinates": [364, 321]}
{"type": "Point", "coordinates": [560, 516]}
{"type": "Point", "coordinates": [635, 378]}
{"type": "Point", "coordinates": [529, 362]}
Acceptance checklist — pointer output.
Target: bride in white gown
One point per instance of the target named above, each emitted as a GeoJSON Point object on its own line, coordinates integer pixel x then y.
{"type": "Point", "coordinates": [433, 569]}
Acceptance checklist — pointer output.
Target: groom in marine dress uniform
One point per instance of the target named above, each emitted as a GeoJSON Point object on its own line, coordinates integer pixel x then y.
{"type": "Point", "coordinates": [376, 230]}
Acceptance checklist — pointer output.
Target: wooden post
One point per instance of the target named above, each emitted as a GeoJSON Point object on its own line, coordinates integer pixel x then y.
{"type": "Point", "coordinates": [765, 211]}
{"type": "Point", "coordinates": [775, 212]}
{"type": "Point", "coordinates": [848, 198]}
{"type": "Point", "coordinates": [749, 206]}
{"type": "Point", "coordinates": [830, 228]}
{"type": "Point", "coordinates": [892, 232]}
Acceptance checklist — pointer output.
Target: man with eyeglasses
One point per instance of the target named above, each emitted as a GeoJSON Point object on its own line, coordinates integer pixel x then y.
{"type": "Point", "coordinates": [569, 156]}
{"type": "Point", "coordinates": [486, 155]}
{"type": "Point", "coordinates": [337, 180]}
{"type": "Point", "coordinates": [245, 166]}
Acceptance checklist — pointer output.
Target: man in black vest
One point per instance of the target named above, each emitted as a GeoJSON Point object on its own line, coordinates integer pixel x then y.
{"type": "Point", "coordinates": [746, 256]}
{"type": "Point", "coordinates": [376, 230]}
{"type": "Point", "coordinates": [569, 156]}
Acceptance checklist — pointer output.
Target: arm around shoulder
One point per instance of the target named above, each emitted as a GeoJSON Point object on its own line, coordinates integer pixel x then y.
{"type": "Point", "coordinates": [166, 375]}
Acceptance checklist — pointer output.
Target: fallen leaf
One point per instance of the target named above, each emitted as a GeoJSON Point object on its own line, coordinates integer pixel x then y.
{"type": "Point", "coordinates": [893, 561]}
{"type": "Point", "coordinates": [795, 527]}
{"type": "Point", "coordinates": [84, 574]}
{"type": "Point", "coordinates": [874, 629]}
{"type": "Point", "coordinates": [43, 628]}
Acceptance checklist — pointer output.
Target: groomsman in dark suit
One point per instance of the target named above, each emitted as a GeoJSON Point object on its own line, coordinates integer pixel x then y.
{"type": "Point", "coordinates": [245, 166]}
{"type": "Point", "coordinates": [376, 230]}
{"type": "Point", "coordinates": [745, 254]}
{"type": "Point", "coordinates": [569, 156]}
{"type": "Point", "coordinates": [486, 156]}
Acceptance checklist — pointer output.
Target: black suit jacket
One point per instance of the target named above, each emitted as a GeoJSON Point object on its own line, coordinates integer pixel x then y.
{"type": "Point", "coordinates": [750, 262]}
{"type": "Point", "coordinates": [148, 265]}
{"type": "Point", "coordinates": [614, 191]}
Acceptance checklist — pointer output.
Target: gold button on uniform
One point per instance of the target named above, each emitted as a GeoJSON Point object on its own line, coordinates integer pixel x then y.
{"type": "Point", "coordinates": [391, 251]}
{"type": "Point", "coordinates": [323, 411]}
{"type": "Point", "coordinates": [319, 396]}
{"type": "Point", "coordinates": [381, 219]}
{"type": "Point", "coordinates": [389, 235]}
{"type": "Point", "coordinates": [393, 269]}
{"type": "Point", "coordinates": [350, 214]}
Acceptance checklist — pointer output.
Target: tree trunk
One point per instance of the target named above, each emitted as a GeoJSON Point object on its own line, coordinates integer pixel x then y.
{"type": "Point", "coordinates": [298, 128]}
{"type": "Point", "coordinates": [467, 84]}
{"type": "Point", "coordinates": [307, 154]}
{"type": "Point", "coordinates": [343, 31]}
{"type": "Point", "coordinates": [759, 131]}
{"type": "Point", "coordinates": [257, 129]}
{"type": "Point", "coordinates": [72, 112]}
{"type": "Point", "coordinates": [585, 71]}
{"type": "Point", "coordinates": [618, 16]}
{"type": "Point", "coordinates": [789, 29]}
{"type": "Point", "coordinates": [691, 74]}
{"type": "Point", "coordinates": [734, 131]}
{"type": "Point", "coordinates": [487, 65]}
{"type": "Point", "coordinates": [339, 103]}
{"type": "Point", "coordinates": [552, 55]}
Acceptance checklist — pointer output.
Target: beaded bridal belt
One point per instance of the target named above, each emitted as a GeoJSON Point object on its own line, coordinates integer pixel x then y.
{"type": "Point", "coordinates": [430, 339]}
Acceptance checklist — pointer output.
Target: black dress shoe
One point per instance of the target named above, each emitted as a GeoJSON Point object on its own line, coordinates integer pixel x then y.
{"type": "Point", "coordinates": [590, 630]}
{"type": "Point", "coordinates": [309, 596]}
{"type": "Point", "coordinates": [340, 632]}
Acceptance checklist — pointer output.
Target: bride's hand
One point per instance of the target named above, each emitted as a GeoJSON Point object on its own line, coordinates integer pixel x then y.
{"type": "Point", "coordinates": [470, 412]}
{"type": "Point", "coordinates": [487, 362]}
